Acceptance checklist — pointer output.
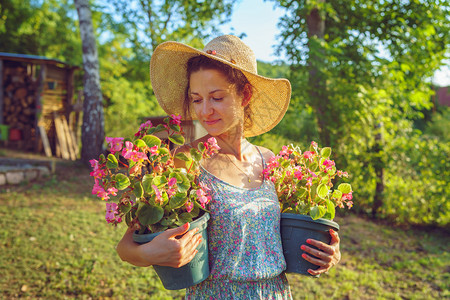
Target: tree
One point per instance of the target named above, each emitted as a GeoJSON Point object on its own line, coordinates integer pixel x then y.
{"type": "Point", "coordinates": [44, 28]}
{"type": "Point", "coordinates": [92, 131]}
{"type": "Point", "coordinates": [367, 63]}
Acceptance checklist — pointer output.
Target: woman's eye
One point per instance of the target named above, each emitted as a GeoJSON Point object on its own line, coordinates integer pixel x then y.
{"type": "Point", "coordinates": [217, 99]}
{"type": "Point", "coordinates": [196, 100]}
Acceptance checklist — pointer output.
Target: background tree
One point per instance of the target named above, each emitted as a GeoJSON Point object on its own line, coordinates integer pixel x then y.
{"type": "Point", "coordinates": [92, 131]}
{"type": "Point", "coordinates": [364, 68]}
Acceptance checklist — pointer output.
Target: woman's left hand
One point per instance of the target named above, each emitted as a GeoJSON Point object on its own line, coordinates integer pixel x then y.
{"type": "Point", "coordinates": [328, 255]}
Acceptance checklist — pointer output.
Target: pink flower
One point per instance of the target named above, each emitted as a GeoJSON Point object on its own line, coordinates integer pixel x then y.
{"type": "Point", "coordinates": [308, 154]}
{"type": "Point", "coordinates": [211, 146]}
{"type": "Point", "coordinates": [115, 144]}
{"type": "Point", "coordinates": [112, 213]}
{"type": "Point", "coordinates": [202, 197]}
{"type": "Point", "coordinates": [204, 187]}
{"type": "Point", "coordinates": [99, 191]}
{"type": "Point", "coordinates": [348, 196]}
{"type": "Point", "coordinates": [158, 194]}
{"type": "Point", "coordinates": [284, 151]}
{"type": "Point", "coordinates": [189, 205]}
{"type": "Point", "coordinates": [154, 150]}
{"type": "Point", "coordinates": [112, 191]}
{"type": "Point", "coordinates": [349, 204]}
{"type": "Point", "coordinates": [298, 174]}
{"type": "Point", "coordinates": [314, 144]}
{"type": "Point", "coordinates": [172, 181]}
{"type": "Point", "coordinates": [97, 172]}
{"type": "Point", "coordinates": [309, 181]}
{"type": "Point", "coordinates": [328, 164]}
{"type": "Point", "coordinates": [175, 119]}
{"type": "Point", "coordinates": [130, 152]}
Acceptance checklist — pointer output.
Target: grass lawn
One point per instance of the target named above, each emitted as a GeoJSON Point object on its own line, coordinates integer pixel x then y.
{"type": "Point", "coordinates": [55, 244]}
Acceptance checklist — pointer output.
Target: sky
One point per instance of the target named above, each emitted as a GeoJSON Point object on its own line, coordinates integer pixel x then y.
{"type": "Point", "coordinates": [258, 19]}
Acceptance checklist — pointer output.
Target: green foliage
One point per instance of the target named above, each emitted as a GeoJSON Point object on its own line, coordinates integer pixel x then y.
{"type": "Point", "coordinates": [151, 192]}
{"type": "Point", "coordinates": [366, 77]}
{"type": "Point", "coordinates": [304, 182]}
{"type": "Point", "coordinates": [45, 28]}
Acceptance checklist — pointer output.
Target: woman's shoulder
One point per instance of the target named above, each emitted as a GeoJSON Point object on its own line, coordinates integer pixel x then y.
{"type": "Point", "coordinates": [266, 153]}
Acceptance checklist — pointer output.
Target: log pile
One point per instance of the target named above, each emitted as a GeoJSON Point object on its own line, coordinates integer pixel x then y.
{"type": "Point", "coordinates": [19, 99]}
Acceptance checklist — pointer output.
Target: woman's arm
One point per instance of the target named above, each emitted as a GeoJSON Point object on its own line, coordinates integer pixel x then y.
{"type": "Point", "coordinates": [172, 248]}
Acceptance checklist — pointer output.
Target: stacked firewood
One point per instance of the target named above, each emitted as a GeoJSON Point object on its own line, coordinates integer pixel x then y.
{"type": "Point", "coordinates": [19, 99]}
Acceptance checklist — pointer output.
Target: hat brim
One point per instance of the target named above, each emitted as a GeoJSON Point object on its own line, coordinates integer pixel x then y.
{"type": "Point", "coordinates": [269, 102]}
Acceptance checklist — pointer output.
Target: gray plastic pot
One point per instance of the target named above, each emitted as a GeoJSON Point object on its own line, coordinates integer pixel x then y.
{"type": "Point", "coordinates": [295, 230]}
{"type": "Point", "coordinates": [190, 274]}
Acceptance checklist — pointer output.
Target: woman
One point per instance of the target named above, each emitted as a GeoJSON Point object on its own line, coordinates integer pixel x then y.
{"type": "Point", "coordinates": [221, 89]}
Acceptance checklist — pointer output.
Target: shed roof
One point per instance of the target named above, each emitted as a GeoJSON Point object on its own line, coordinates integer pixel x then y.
{"type": "Point", "coordinates": [31, 58]}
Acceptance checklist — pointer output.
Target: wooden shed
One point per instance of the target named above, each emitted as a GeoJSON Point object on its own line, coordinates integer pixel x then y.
{"type": "Point", "coordinates": [36, 102]}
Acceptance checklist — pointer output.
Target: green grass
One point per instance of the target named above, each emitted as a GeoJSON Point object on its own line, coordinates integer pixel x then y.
{"type": "Point", "coordinates": [55, 244]}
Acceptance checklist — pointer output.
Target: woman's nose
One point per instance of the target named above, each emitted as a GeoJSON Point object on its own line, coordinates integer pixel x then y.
{"type": "Point", "coordinates": [207, 108]}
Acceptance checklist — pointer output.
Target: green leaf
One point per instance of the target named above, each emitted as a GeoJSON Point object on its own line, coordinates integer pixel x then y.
{"type": "Point", "coordinates": [185, 184]}
{"type": "Point", "coordinates": [185, 217]}
{"type": "Point", "coordinates": [345, 188]}
{"type": "Point", "coordinates": [147, 183]}
{"type": "Point", "coordinates": [331, 210]}
{"type": "Point", "coordinates": [300, 193]}
{"type": "Point", "coordinates": [112, 163]}
{"type": "Point", "coordinates": [163, 154]}
{"type": "Point", "coordinates": [182, 156]}
{"type": "Point", "coordinates": [325, 152]}
{"type": "Point", "coordinates": [159, 181]}
{"type": "Point", "coordinates": [337, 194]}
{"type": "Point", "coordinates": [125, 208]}
{"type": "Point", "coordinates": [195, 154]}
{"type": "Point", "coordinates": [201, 147]}
{"type": "Point", "coordinates": [159, 128]}
{"type": "Point", "coordinates": [140, 143]}
{"type": "Point", "coordinates": [178, 200]}
{"type": "Point", "coordinates": [122, 181]}
{"type": "Point", "coordinates": [322, 191]}
{"type": "Point", "coordinates": [151, 141]}
{"type": "Point", "coordinates": [138, 190]}
{"type": "Point", "coordinates": [149, 214]}
{"type": "Point", "coordinates": [177, 139]}
{"type": "Point", "coordinates": [175, 127]}
{"type": "Point", "coordinates": [317, 212]}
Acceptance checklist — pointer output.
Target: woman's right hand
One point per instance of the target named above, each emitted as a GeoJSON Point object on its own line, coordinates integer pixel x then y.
{"type": "Point", "coordinates": [173, 248]}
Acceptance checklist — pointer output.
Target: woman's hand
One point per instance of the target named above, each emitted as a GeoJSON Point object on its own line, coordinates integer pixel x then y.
{"type": "Point", "coordinates": [174, 248]}
{"type": "Point", "coordinates": [328, 255]}
{"type": "Point", "coordinates": [173, 251]}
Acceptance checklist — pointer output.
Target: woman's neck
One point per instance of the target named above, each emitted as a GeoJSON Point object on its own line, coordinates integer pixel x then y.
{"type": "Point", "coordinates": [236, 145]}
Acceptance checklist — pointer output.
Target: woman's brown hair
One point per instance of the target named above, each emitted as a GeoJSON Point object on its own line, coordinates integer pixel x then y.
{"type": "Point", "coordinates": [234, 76]}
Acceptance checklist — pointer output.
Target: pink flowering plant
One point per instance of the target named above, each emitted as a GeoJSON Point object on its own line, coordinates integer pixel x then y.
{"type": "Point", "coordinates": [141, 185]}
{"type": "Point", "coordinates": [304, 182]}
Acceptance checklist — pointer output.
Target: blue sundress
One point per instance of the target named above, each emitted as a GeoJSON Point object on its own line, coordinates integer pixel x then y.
{"type": "Point", "coordinates": [245, 253]}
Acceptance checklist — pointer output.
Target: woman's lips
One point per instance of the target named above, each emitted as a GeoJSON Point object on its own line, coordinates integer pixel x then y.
{"type": "Point", "coordinates": [211, 122]}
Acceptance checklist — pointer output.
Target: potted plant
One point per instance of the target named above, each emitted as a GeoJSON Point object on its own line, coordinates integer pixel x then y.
{"type": "Point", "coordinates": [304, 184]}
{"type": "Point", "coordinates": [141, 185]}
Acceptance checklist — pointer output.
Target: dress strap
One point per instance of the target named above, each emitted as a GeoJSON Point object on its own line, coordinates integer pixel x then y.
{"type": "Point", "coordinates": [262, 157]}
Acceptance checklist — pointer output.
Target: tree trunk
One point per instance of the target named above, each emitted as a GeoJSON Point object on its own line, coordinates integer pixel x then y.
{"type": "Point", "coordinates": [92, 130]}
{"type": "Point", "coordinates": [317, 91]}
{"type": "Point", "coordinates": [378, 165]}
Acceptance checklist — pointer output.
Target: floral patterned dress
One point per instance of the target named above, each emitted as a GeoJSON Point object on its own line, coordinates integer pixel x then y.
{"type": "Point", "coordinates": [245, 253]}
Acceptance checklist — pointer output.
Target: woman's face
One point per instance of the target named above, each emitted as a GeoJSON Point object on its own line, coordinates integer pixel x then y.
{"type": "Point", "coordinates": [218, 106]}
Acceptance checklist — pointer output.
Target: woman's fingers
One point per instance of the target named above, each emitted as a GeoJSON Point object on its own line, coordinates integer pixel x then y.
{"type": "Point", "coordinates": [325, 247]}
{"type": "Point", "coordinates": [325, 256]}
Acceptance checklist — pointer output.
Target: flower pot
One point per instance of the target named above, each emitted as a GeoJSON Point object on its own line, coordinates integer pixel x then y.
{"type": "Point", "coordinates": [295, 230]}
{"type": "Point", "coordinates": [190, 274]}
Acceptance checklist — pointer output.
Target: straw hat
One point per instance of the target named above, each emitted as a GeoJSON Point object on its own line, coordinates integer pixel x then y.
{"type": "Point", "coordinates": [168, 64]}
